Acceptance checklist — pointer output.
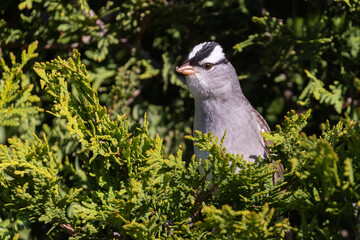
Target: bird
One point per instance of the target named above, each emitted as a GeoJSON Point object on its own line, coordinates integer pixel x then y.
{"type": "Point", "coordinates": [220, 105]}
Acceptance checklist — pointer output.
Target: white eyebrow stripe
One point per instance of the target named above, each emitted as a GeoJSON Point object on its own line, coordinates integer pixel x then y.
{"type": "Point", "coordinates": [195, 50]}
{"type": "Point", "coordinates": [215, 56]}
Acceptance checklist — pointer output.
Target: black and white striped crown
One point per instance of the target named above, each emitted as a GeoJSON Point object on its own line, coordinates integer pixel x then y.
{"type": "Point", "coordinates": [205, 52]}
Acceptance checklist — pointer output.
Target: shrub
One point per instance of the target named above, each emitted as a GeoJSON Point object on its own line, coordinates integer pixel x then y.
{"type": "Point", "coordinates": [97, 150]}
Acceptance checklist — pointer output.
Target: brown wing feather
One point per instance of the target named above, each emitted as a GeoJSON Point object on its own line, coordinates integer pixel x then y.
{"type": "Point", "coordinates": [264, 127]}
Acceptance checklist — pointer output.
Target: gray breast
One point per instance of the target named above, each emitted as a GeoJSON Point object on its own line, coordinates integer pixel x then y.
{"type": "Point", "coordinates": [243, 130]}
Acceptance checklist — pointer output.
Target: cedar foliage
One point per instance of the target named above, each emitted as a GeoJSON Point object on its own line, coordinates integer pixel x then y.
{"type": "Point", "coordinates": [95, 136]}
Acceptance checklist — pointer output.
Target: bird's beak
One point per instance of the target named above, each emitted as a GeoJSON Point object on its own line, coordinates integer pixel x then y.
{"type": "Point", "coordinates": [186, 69]}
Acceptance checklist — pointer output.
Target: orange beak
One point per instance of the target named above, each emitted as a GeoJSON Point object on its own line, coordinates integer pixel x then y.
{"type": "Point", "coordinates": [186, 69]}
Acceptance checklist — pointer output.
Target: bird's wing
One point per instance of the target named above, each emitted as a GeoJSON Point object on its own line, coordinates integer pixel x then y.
{"type": "Point", "coordinates": [264, 127]}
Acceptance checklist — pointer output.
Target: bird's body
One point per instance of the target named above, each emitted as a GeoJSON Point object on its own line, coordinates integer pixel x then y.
{"type": "Point", "coordinates": [220, 115]}
{"type": "Point", "coordinates": [220, 104]}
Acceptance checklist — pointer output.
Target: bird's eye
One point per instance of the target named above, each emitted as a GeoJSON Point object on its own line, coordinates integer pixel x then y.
{"type": "Point", "coordinates": [207, 66]}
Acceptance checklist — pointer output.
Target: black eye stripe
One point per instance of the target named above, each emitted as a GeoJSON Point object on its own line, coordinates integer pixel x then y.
{"type": "Point", "coordinates": [223, 61]}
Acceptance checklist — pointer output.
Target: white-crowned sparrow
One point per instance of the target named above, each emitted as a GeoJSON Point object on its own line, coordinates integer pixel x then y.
{"type": "Point", "coordinates": [221, 105]}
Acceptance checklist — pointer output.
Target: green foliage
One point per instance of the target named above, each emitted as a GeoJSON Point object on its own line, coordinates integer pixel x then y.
{"type": "Point", "coordinates": [30, 180]}
{"type": "Point", "coordinates": [324, 175]}
{"type": "Point", "coordinates": [132, 187]}
{"type": "Point", "coordinates": [109, 164]}
{"type": "Point", "coordinates": [316, 88]}
{"type": "Point", "coordinates": [296, 49]}
{"type": "Point", "coordinates": [16, 101]}
{"type": "Point", "coordinates": [253, 225]}
{"type": "Point", "coordinates": [286, 138]}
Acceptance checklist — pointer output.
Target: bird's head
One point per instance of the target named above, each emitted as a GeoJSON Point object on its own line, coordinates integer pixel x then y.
{"type": "Point", "coordinates": [208, 72]}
